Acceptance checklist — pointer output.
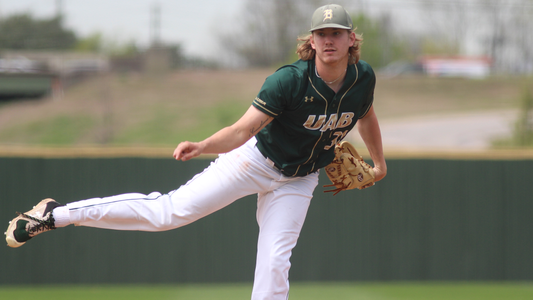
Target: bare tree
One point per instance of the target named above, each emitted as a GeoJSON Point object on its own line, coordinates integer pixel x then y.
{"type": "Point", "coordinates": [265, 31]}
{"type": "Point", "coordinates": [450, 21]}
{"type": "Point", "coordinates": [268, 30]}
{"type": "Point", "coordinates": [495, 18]}
{"type": "Point", "coordinates": [508, 40]}
{"type": "Point", "coordinates": [500, 28]}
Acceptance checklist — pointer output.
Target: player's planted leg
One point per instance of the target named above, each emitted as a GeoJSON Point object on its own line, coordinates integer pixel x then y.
{"type": "Point", "coordinates": [31, 223]}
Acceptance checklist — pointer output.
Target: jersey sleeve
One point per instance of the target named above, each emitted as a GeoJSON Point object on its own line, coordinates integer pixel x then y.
{"type": "Point", "coordinates": [277, 91]}
{"type": "Point", "coordinates": [369, 98]}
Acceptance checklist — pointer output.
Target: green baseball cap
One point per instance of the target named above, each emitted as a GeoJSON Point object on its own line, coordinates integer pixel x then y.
{"type": "Point", "coordinates": [331, 16]}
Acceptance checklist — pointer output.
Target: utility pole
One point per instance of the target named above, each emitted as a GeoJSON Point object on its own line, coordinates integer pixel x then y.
{"type": "Point", "coordinates": [59, 8]}
{"type": "Point", "coordinates": [158, 57]}
{"type": "Point", "coordinates": [59, 11]}
{"type": "Point", "coordinates": [155, 25]}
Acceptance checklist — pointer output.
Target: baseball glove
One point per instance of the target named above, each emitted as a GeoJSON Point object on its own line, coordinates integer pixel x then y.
{"type": "Point", "coordinates": [348, 170]}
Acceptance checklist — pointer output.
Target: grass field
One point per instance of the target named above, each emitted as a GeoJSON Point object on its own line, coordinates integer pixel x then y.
{"type": "Point", "coordinates": [299, 291]}
{"type": "Point", "coordinates": [138, 110]}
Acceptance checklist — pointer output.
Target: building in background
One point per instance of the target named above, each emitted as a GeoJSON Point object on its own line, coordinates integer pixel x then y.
{"type": "Point", "coordinates": [31, 74]}
{"type": "Point", "coordinates": [476, 67]}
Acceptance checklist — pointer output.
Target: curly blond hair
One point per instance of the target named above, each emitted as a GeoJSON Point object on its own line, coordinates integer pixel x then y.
{"type": "Point", "coordinates": [306, 52]}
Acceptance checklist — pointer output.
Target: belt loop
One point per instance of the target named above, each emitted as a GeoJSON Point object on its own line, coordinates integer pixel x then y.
{"type": "Point", "coordinates": [271, 163]}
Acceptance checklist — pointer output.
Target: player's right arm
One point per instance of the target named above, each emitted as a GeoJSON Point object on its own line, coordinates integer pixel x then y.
{"type": "Point", "coordinates": [368, 128]}
{"type": "Point", "coordinates": [226, 139]}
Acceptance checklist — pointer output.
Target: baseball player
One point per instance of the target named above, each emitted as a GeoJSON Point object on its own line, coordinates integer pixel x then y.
{"type": "Point", "coordinates": [275, 150]}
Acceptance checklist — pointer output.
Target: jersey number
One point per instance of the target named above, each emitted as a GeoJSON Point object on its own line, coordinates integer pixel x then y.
{"type": "Point", "coordinates": [339, 135]}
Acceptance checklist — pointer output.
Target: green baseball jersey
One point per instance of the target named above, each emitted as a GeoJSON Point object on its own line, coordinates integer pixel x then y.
{"type": "Point", "coordinates": [309, 117]}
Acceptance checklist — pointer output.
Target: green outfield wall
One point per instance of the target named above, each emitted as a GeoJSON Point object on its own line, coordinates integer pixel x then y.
{"type": "Point", "coordinates": [430, 219]}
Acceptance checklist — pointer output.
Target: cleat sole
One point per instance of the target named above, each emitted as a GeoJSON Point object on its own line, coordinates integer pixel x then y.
{"type": "Point", "coordinates": [13, 243]}
{"type": "Point", "coordinates": [10, 239]}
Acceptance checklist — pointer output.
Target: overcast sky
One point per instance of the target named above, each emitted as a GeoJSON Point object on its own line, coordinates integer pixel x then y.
{"type": "Point", "coordinates": [191, 23]}
{"type": "Point", "coordinates": [187, 22]}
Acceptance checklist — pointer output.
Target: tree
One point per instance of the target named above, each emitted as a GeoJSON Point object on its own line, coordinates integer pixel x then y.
{"type": "Point", "coordinates": [268, 31]}
{"type": "Point", "coordinates": [92, 43]}
{"type": "Point", "coordinates": [450, 22]}
{"type": "Point", "coordinates": [22, 32]}
{"type": "Point", "coordinates": [501, 29]}
{"type": "Point", "coordinates": [381, 45]}
{"type": "Point", "coordinates": [523, 133]}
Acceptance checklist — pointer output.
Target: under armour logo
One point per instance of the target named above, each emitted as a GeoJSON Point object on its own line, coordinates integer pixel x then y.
{"type": "Point", "coordinates": [328, 14]}
{"type": "Point", "coordinates": [308, 99]}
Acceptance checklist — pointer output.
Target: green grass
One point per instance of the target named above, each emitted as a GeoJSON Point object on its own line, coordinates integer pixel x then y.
{"type": "Point", "coordinates": [168, 127]}
{"type": "Point", "coordinates": [60, 130]}
{"type": "Point", "coordinates": [137, 110]}
{"type": "Point", "coordinates": [299, 291]}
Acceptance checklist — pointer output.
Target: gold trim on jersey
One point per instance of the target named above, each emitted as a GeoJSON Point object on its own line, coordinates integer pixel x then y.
{"type": "Point", "coordinates": [321, 133]}
{"type": "Point", "coordinates": [262, 104]}
{"type": "Point", "coordinates": [326, 112]}
{"type": "Point", "coordinates": [356, 77]}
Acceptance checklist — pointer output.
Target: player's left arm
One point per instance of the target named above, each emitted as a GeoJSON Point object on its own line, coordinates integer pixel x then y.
{"type": "Point", "coordinates": [368, 128]}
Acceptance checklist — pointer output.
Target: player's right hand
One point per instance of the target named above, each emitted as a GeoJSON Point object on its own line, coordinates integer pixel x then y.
{"type": "Point", "coordinates": [379, 172]}
{"type": "Point", "coordinates": [187, 150]}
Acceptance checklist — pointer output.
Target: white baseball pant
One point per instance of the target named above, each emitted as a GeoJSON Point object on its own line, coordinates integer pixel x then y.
{"type": "Point", "coordinates": [281, 209]}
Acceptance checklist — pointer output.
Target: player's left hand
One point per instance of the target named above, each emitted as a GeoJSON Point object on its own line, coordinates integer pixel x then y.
{"type": "Point", "coordinates": [187, 150]}
{"type": "Point", "coordinates": [348, 170]}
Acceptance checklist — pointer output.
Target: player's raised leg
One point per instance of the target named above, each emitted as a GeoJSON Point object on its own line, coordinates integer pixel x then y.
{"type": "Point", "coordinates": [232, 176]}
{"type": "Point", "coordinates": [31, 223]}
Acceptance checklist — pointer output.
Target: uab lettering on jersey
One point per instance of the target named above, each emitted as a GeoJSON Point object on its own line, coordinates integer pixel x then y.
{"type": "Point", "coordinates": [333, 123]}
